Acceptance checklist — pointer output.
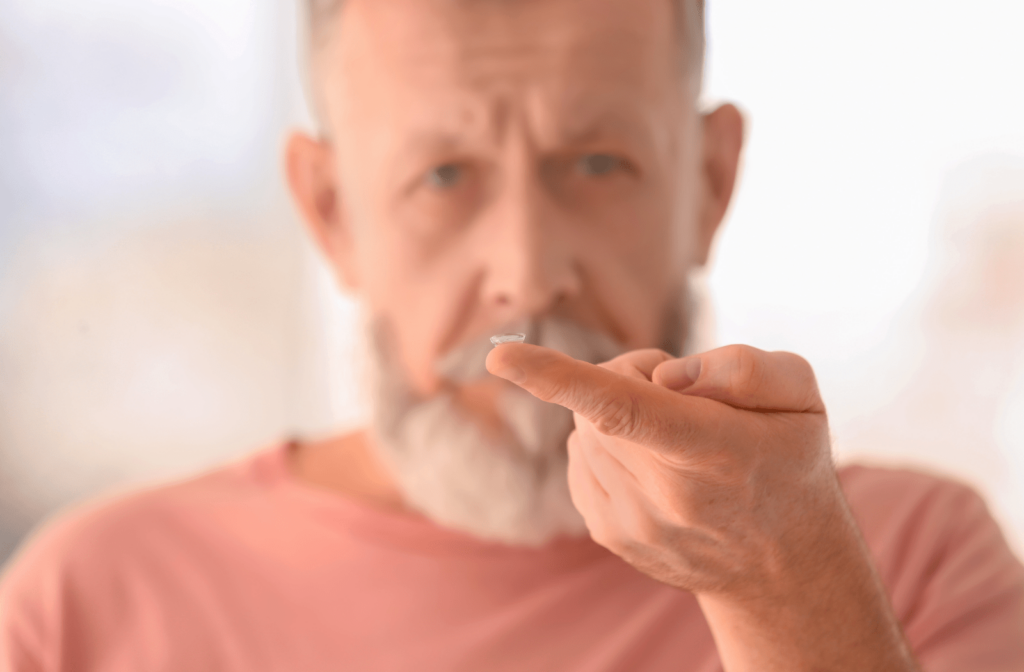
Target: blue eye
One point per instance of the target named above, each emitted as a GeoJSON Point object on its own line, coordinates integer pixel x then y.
{"type": "Point", "coordinates": [445, 177]}
{"type": "Point", "coordinates": [598, 164]}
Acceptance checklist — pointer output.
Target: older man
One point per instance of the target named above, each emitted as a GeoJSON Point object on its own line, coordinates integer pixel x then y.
{"type": "Point", "coordinates": [534, 166]}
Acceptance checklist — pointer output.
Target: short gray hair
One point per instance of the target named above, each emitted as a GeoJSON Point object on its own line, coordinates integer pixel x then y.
{"type": "Point", "coordinates": [689, 22]}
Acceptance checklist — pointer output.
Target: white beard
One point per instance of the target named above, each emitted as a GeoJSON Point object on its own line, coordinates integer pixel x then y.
{"type": "Point", "coordinates": [512, 488]}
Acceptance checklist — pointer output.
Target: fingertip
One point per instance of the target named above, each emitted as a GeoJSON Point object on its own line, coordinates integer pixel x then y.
{"type": "Point", "coordinates": [504, 353]}
{"type": "Point", "coordinates": [493, 359]}
{"type": "Point", "coordinates": [501, 362]}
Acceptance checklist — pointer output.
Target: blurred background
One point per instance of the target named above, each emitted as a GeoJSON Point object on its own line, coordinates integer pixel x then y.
{"type": "Point", "coordinates": [161, 312]}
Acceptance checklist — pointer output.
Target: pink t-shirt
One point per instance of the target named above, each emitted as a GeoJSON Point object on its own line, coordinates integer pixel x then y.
{"type": "Point", "coordinates": [247, 569]}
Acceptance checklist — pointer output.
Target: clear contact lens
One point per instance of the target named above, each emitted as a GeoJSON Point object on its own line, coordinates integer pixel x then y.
{"type": "Point", "coordinates": [501, 339]}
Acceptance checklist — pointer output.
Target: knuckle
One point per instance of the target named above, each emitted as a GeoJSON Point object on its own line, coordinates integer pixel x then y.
{"type": "Point", "coordinates": [565, 393]}
{"type": "Point", "coordinates": [805, 377]}
{"type": "Point", "coordinates": [747, 368]}
{"type": "Point", "coordinates": [798, 364]}
{"type": "Point", "coordinates": [619, 416]}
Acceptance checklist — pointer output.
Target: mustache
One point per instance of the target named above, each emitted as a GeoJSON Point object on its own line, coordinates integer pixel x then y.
{"type": "Point", "coordinates": [466, 363]}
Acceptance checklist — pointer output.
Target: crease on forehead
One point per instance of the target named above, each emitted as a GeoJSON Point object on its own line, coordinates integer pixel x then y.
{"type": "Point", "coordinates": [556, 121]}
{"type": "Point", "coordinates": [461, 47]}
{"type": "Point", "coordinates": [450, 89]}
{"type": "Point", "coordinates": [472, 39]}
{"type": "Point", "coordinates": [559, 111]}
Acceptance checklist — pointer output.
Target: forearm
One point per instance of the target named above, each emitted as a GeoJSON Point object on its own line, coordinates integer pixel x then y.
{"type": "Point", "coordinates": [829, 614]}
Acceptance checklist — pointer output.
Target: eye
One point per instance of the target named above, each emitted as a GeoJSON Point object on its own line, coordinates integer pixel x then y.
{"type": "Point", "coordinates": [598, 164]}
{"type": "Point", "coordinates": [445, 176]}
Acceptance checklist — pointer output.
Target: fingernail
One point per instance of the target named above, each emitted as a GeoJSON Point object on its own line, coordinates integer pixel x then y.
{"type": "Point", "coordinates": [512, 374]}
{"type": "Point", "coordinates": [680, 374]}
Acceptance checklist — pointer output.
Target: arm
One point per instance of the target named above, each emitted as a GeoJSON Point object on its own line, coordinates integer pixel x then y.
{"type": "Point", "coordinates": [713, 474]}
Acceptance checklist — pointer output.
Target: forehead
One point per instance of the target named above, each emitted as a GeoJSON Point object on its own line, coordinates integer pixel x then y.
{"type": "Point", "coordinates": [435, 58]}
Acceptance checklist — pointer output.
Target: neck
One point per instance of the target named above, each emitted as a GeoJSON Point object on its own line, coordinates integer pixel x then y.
{"type": "Point", "coordinates": [350, 466]}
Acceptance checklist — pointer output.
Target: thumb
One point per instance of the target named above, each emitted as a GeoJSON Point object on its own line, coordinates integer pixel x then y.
{"type": "Point", "coordinates": [745, 377]}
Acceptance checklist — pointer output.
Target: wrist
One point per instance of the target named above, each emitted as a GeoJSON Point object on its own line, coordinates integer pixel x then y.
{"type": "Point", "coordinates": [826, 609]}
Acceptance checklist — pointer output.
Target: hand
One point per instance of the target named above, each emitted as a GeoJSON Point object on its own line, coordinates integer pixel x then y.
{"type": "Point", "coordinates": [714, 489]}
{"type": "Point", "coordinates": [714, 474]}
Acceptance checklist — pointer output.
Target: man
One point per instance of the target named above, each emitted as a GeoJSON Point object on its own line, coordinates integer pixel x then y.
{"type": "Point", "coordinates": [534, 166]}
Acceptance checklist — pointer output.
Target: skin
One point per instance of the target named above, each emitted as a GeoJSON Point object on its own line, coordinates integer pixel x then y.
{"type": "Point", "coordinates": [456, 189]}
{"type": "Point", "coordinates": [713, 474]}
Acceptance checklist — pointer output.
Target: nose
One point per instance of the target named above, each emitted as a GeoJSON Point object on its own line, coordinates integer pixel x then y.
{"type": "Point", "coordinates": [531, 265]}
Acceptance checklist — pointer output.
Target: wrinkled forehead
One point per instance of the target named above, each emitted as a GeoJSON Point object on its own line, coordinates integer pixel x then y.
{"type": "Point", "coordinates": [574, 59]}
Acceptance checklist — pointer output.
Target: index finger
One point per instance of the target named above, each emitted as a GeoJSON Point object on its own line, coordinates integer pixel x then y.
{"type": "Point", "coordinates": [617, 405]}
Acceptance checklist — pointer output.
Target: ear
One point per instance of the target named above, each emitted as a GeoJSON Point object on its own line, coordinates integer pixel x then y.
{"type": "Point", "coordinates": [722, 144]}
{"type": "Point", "coordinates": [309, 167]}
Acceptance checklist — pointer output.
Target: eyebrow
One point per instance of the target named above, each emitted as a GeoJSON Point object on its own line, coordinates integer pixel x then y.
{"type": "Point", "coordinates": [435, 141]}
{"type": "Point", "coordinates": [595, 132]}
{"type": "Point", "coordinates": [604, 125]}
{"type": "Point", "coordinates": [601, 127]}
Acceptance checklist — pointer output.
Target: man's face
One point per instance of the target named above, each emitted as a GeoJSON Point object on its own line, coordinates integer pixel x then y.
{"type": "Point", "coordinates": [497, 161]}
{"type": "Point", "coordinates": [496, 165]}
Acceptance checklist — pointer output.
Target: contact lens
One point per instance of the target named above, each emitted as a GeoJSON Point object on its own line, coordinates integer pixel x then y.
{"type": "Point", "coordinates": [501, 339]}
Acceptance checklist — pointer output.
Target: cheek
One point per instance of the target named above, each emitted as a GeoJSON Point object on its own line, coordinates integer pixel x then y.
{"type": "Point", "coordinates": [687, 195]}
{"type": "Point", "coordinates": [418, 300]}
{"type": "Point", "coordinates": [632, 268]}
{"type": "Point", "coordinates": [639, 229]}
{"type": "Point", "coordinates": [416, 354]}
{"type": "Point", "coordinates": [412, 331]}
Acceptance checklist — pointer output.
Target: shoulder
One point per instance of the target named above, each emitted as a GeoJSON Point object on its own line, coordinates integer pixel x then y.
{"type": "Point", "coordinates": [102, 558]}
{"type": "Point", "coordinates": [884, 500]}
{"type": "Point", "coordinates": [118, 526]}
{"type": "Point", "coordinates": [905, 515]}
{"type": "Point", "coordinates": [901, 509]}
{"type": "Point", "coordinates": [952, 578]}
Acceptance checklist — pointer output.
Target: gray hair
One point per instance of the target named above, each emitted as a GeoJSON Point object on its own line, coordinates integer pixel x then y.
{"type": "Point", "coordinates": [689, 16]}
